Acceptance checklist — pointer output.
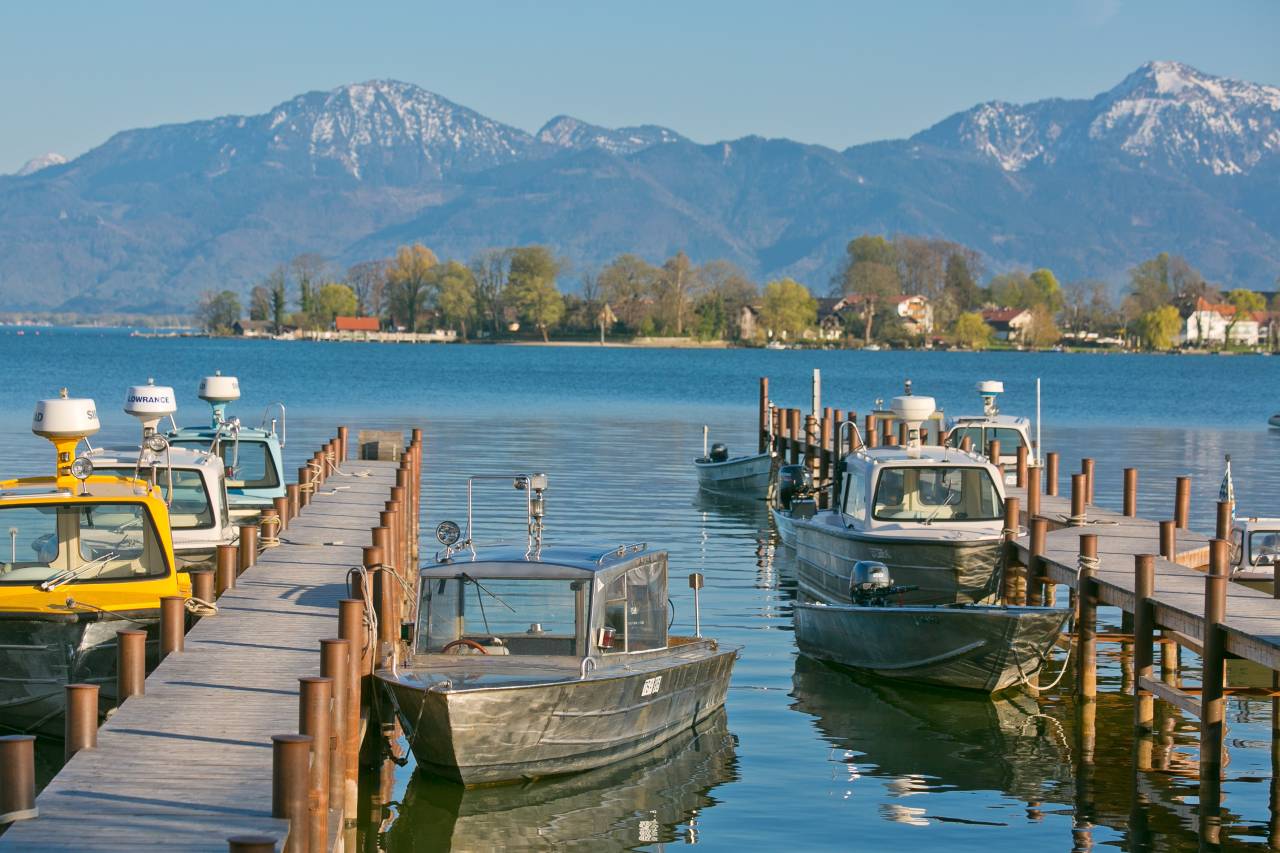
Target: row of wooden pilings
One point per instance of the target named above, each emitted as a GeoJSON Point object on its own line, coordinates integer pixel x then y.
{"type": "Point", "coordinates": [307, 779]}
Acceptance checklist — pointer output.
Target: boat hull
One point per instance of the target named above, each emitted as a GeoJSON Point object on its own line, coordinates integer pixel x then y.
{"type": "Point", "coordinates": [744, 476]}
{"type": "Point", "coordinates": [784, 525]}
{"type": "Point", "coordinates": [484, 736]}
{"type": "Point", "coordinates": [944, 571]}
{"type": "Point", "coordinates": [40, 654]}
{"type": "Point", "coordinates": [974, 648]}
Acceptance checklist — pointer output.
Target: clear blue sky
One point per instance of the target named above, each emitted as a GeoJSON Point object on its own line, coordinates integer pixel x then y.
{"type": "Point", "coordinates": [835, 73]}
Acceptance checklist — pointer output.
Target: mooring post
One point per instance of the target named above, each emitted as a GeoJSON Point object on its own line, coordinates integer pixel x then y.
{"type": "Point", "coordinates": [1144, 588]}
{"type": "Point", "coordinates": [1223, 526]}
{"type": "Point", "coordinates": [1086, 624]}
{"type": "Point", "coordinates": [352, 629]}
{"type": "Point", "coordinates": [902, 433]}
{"type": "Point", "coordinates": [1051, 474]}
{"type": "Point", "coordinates": [1086, 468]}
{"type": "Point", "coordinates": [305, 487]}
{"type": "Point", "coordinates": [81, 723]}
{"type": "Point", "coordinates": [778, 428]}
{"type": "Point", "coordinates": [1078, 492]}
{"type": "Point", "coordinates": [270, 522]}
{"type": "Point", "coordinates": [286, 507]}
{"type": "Point", "coordinates": [871, 431]}
{"type": "Point", "coordinates": [383, 595]}
{"type": "Point", "coordinates": [1214, 659]}
{"type": "Point", "coordinates": [315, 712]}
{"type": "Point", "coordinates": [1168, 541]}
{"type": "Point", "coordinates": [1021, 472]}
{"type": "Point", "coordinates": [227, 564]}
{"type": "Point", "coordinates": [1009, 582]}
{"type": "Point", "coordinates": [251, 844]}
{"type": "Point", "coordinates": [796, 434]}
{"type": "Point", "coordinates": [1182, 502]}
{"type": "Point", "coordinates": [1033, 490]}
{"type": "Point", "coordinates": [247, 548]}
{"type": "Point", "coordinates": [342, 443]}
{"type": "Point", "coordinates": [131, 663]}
{"type": "Point", "coordinates": [372, 560]}
{"type": "Point", "coordinates": [1035, 562]}
{"type": "Point", "coordinates": [811, 450]}
{"type": "Point", "coordinates": [202, 585]}
{"type": "Point", "coordinates": [290, 773]}
{"type": "Point", "coordinates": [335, 663]}
{"type": "Point", "coordinates": [1131, 492]}
{"type": "Point", "coordinates": [17, 778]}
{"type": "Point", "coordinates": [390, 519]}
{"type": "Point", "coordinates": [993, 453]}
{"type": "Point", "coordinates": [764, 414]}
{"type": "Point", "coordinates": [966, 444]}
{"type": "Point", "coordinates": [173, 628]}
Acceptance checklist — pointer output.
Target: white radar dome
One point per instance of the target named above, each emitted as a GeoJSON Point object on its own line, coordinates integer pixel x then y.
{"type": "Point", "coordinates": [65, 417]}
{"type": "Point", "coordinates": [913, 409]}
{"type": "Point", "coordinates": [150, 402]}
{"type": "Point", "coordinates": [219, 388]}
{"type": "Point", "coordinates": [990, 386]}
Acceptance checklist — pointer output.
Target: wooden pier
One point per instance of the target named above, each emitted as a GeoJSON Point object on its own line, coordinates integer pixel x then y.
{"type": "Point", "coordinates": [205, 754]}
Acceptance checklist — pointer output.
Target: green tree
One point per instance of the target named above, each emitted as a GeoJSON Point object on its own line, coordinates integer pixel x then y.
{"type": "Point", "coordinates": [278, 285]}
{"type": "Point", "coordinates": [627, 284]}
{"type": "Point", "coordinates": [732, 291]}
{"type": "Point", "coordinates": [972, 331]}
{"type": "Point", "coordinates": [1157, 329]}
{"type": "Point", "coordinates": [1163, 280]}
{"type": "Point", "coordinates": [260, 303]}
{"type": "Point", "coordinates": [409, 281]}
{"type": "Point", "coordinates": [1044, 291]}
{"type": "Point", "coordinates": [531, 287]}
{"type": "Point", "coordinates": [870, 273]}
{"type": "Point", "coordinates": [960, 283]}
{"type": "Point", "coordinates": [330, 301]}
{"type": "Point", "coordinates": [218, 311]}
{"type": "Point", "coordinates": [456, 295]}
{"type": "Point", "coordinates": [1247, 303]}
{"type": "Point", "coordinates": [789, 309]}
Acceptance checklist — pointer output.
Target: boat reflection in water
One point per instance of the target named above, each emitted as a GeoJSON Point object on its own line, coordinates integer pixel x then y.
{"type": "Point", "coordinates": [926, 739]}
{"type": "Point", "coordinates": [653, 799]}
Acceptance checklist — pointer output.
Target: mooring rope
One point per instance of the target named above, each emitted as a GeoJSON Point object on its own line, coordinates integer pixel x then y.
{"type": "Point", "coordinates": [271, 540]}
{"type": "Point", "coordinates": [200, 607]}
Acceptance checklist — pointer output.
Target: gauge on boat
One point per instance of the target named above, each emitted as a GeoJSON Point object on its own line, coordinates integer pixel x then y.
{"type": "Point", "coordinates": [448, 532]}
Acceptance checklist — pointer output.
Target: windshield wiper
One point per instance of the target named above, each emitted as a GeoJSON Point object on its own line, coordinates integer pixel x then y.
{"type": "Point", "coordinates": [68, 575]}
{"type": "Point", "coordinates": [946, 502]}
{"type": "Point", "coordinates": [479, 586]}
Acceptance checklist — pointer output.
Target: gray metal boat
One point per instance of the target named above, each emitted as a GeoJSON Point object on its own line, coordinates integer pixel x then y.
{"type": "Point", "coordinates": [740, 476]}
{"type": "Point", "coordinates": [975, 647]}
{"type": "Point", "coordinates": [534, 661]}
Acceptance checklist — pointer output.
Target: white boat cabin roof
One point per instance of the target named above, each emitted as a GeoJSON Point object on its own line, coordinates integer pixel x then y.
{"type": "Point", "coordinates": [550, 561]}
{"type": "Point", "coordinates": [180, 457]}
{"type": "Point", "coordinates": [1005, 421]}
{"type": "Point", "coordinates": [925, 456]}
{"type": "Point", "coordinates": [1249, 525]}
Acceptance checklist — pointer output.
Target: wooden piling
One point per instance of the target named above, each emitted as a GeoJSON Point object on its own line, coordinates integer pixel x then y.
{"type": "Point", "coordinates": [1168, 540]}
{"type": "Point", "coordinates": [1021, 472]}
{"type": "Point", "coordinates": [1182, 503]}
{"type": "Point", "coordinates": [1144, 587]}
{"type": "Point", "coordinates": [173, 628]}
{"type": "Point", "coordinates": [315, 712]}
{"type": "Point", "coordinates": [795, 433]}
{"type": "Point", "coordinates": [286, 507]}
{"type": "Point", "coordinates": [17, 778]}
{"type": "Point", "coordinates": [290, 773]}
{"type": "Point", "coordinates": [227, 563]}
{"type": "Point", "coordinates": [966, 444]}
{"type": "Point", "coordinates": [1079, 490]}
{"type": "Point", "coordinates": [1033, 490]}
{"type": "Point", "coordinates": [871, 432]}
{"type": "Point", "coordinates": [342, 443]}
{"type": "Point", "coordinates": [1035, 566]}
{"type": "Point", "coordinates": [352, 629]}
{"type": "Point", "coordinates": [1086, 623]}
{"type": "Point", "coordinates": [1131, 492]}
{"type": "Point", "coordinates": [305, 487]}
{"type": "Point", "coordinates": [1051, 474]}
{"type": "Point", "coordinates": [1223, 526]}
{"type": "Point", "coordinates": [1086, 468]}
{"type": "Point", "coordinates": [203, 586]}
{"type": "Point", "coordinates": [1213, 660]}
{"type": "Point", "coordinates": [764, 414]}
{"type": "Point", "coordinates": [270, 528]}
{"type": "Point", "coordinates": [247, 550]}
{"type": "Point", "coordinates": [81, 721]}
{"type": "Point", "coordinates": [131, 663]}
{"type": "Point", "coordinates": [811, 450]}
{"type": "Point", "coordinates": [993, 452]}
{"type": "Point", "coordinates": [1008, 581]}
{"type": "Point", "coordinates": [335, 663]}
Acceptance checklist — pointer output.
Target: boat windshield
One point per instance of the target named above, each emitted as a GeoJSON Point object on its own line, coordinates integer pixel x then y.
{"type": "Point", "coordinates": [518, 616]}
{"type": "Point", "coordinates": [79, 543]}
{"type": "Point", "coordinates": [190, 508]}
{"type": "Point", "coordinates": [1264, 548]}
{"type": "Point", "coordinates": [249, 462]}
{"type": "Point", "coordinates": [1010, 439]}
{"type": "Point", "coordinates": [937, 493]}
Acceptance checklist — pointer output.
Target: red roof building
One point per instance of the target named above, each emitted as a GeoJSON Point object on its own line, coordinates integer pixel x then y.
{"type": "Point", "coordinates": [356, 324]}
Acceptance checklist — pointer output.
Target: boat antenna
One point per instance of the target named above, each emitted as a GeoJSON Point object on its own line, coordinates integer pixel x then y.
{"type": "Point", "coordinates": [1038, 444]}
{"type": "Point", "coordinates": [705, 432]}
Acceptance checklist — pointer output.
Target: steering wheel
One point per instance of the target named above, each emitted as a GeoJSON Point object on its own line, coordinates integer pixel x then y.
{"type": "Point", "coordinates": [464, 642]}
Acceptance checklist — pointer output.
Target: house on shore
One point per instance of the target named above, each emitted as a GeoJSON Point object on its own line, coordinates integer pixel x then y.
{"type": "Point", "coordinates": [251, 328]}
{"type": "Point", "coordinates": [1212, 322]}
{"type": "Point", "coordinates": [1008, 324]}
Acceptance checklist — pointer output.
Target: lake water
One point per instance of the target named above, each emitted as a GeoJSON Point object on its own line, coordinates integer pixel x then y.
{"type": "Point", "coordinates": [804, 757]}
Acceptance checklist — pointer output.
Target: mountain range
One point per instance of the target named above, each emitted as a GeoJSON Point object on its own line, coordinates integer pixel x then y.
{"type": "Point", "coordinates": [1170, 159]}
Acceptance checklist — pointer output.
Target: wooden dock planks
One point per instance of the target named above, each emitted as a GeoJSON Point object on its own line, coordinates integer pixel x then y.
{"type": "Point", "coordinates": [189, 763]}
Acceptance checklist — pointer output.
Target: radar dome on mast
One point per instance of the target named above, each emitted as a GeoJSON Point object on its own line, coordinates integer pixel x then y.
{"type": "Point", "coordinates": [65, 421]}
{"type": "Point", "coordinates": [913, 411]}
{"type": "Point", "coordinates": [989, 389]}
{"type": "Point", "coordinates": [218, 390]}
{"type": "Point", "coordinates": [150, 403]}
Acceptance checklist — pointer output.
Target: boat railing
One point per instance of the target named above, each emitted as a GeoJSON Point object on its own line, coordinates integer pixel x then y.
{"type": "Point", "coordinates": [269, 423]}
{"type": "Point", "coordinates": [533, 485]}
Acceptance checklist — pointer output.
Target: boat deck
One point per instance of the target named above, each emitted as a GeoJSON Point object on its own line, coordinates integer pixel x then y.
{"type": "Point", "coordinates": [1252, 617]}
{"type": "Point", "coordinates": [189, 763]}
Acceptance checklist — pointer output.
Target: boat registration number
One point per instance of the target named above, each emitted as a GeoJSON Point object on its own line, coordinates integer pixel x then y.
{"type": "Point", "coordinates": [651, 686]}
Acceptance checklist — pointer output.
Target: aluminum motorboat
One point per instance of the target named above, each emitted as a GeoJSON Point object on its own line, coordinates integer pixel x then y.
{"type": "Point", "coordinates": [1255, 551]}
{"type": "Point", "coordinates": [934, 515]}
{"type": "Point", "coordinates": [88, 554]}
{"type": "Point", "coordinates": [192, 482]}
{"type": "Point", "coordinates": [739, 476]}
{"type": "Point", "coordinates": [974, 647]}
{"type": "Point", "coordinates": [252, 456]}
{"type": "Point", "coordinates": [532, 661]}
{"type": "Point", "coordinates": [1012, 432]}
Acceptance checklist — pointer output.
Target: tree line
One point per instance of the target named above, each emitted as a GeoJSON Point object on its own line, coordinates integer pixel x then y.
{"type": "Point", "coordinates": [500, 292]}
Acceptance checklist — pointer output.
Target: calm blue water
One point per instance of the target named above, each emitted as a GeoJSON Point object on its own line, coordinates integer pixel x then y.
{"type": "Point", "coordinates": [805, 758]}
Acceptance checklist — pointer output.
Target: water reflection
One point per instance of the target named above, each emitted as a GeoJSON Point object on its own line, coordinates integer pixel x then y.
{"type": "Point", "coordinates": [654, 799]}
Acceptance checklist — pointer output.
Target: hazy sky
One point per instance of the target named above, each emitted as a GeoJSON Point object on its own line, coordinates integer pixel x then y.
{"type": "Point", "coordinates": [835, 73]}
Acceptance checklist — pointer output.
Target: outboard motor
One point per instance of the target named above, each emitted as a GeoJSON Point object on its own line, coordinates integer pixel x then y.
{"type": "Point", "coordinates": [793, 481]}
{"type": "Point", "coordinates": [719, 452]}
{"type": "Point", "coordinates": [870, 584]}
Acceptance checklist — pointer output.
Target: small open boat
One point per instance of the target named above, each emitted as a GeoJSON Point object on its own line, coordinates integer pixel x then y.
{"type": "Point", "coordinates": [253, 456]}
{"type": "Point", "coordinates": [87, 555]}
{"type": "Point", "coordinates": [1274, 421]}
{"type": "Point", "coordinates": [975, 647]}
{"type": "Point", "coordinates": [534, 661]}
{"type": "Point", "coordinates": [741, 476]}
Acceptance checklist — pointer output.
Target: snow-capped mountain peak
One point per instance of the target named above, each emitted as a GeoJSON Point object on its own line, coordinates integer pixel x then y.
{"type": "Point", "coordinates": [44, 161]}
{"type": "Point", "coordinates": [568, 132]}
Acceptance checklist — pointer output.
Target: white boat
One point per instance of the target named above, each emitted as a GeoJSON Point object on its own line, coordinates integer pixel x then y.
{"type": "Point", "coordinates": [1274, 421]}
{"type": "Point", "coordinates": [1255, 550]}
{"type": "Point", "coordinates": [1012, 432]}
{"type": "Point", "coordinates": [740, 476]}
{"type": "Point", "coordinates": [934, 515]}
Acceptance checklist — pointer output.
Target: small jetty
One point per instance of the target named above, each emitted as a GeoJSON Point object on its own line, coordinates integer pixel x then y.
{"type": "Point", "coordinates": [248, 732]}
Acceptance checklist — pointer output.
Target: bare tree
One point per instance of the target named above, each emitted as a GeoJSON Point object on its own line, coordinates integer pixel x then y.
{"type": "Point", "coordinates": [490, 268]}
{"type": "Point", "coordinates": [369, 280]}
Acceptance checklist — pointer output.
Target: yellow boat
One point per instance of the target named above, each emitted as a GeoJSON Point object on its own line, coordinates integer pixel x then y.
{"type": "Point", "coordinates": [87, 556]}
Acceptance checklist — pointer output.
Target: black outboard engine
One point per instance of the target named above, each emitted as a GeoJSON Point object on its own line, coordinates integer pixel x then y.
{"type": "Point", "coordinates": [719, 453]}
{"type": "Point", "coordinates": [870, 584]}
{"type": "Point", "coordinates": [793, 482]}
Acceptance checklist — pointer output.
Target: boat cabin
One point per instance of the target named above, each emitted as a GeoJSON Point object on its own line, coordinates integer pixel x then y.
{"type": "Point", "coordinates": [561, 601]}
{"type": "Point", "coordinates": [1012, 432]}
{"type": "Point", "coordinates": [888, 488]}
{"type": "Point", "coordinates": [252, 458]}
{"type": "Point", "coordinates": [1255, 546]}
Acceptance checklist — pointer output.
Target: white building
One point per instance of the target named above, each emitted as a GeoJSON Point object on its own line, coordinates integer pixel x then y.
{"type": "Point", "coordinates": [1210, 322]}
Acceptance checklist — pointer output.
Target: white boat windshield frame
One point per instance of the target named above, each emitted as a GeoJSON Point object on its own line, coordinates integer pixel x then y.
{"type": "Point", "coordinates": [921, 496]}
